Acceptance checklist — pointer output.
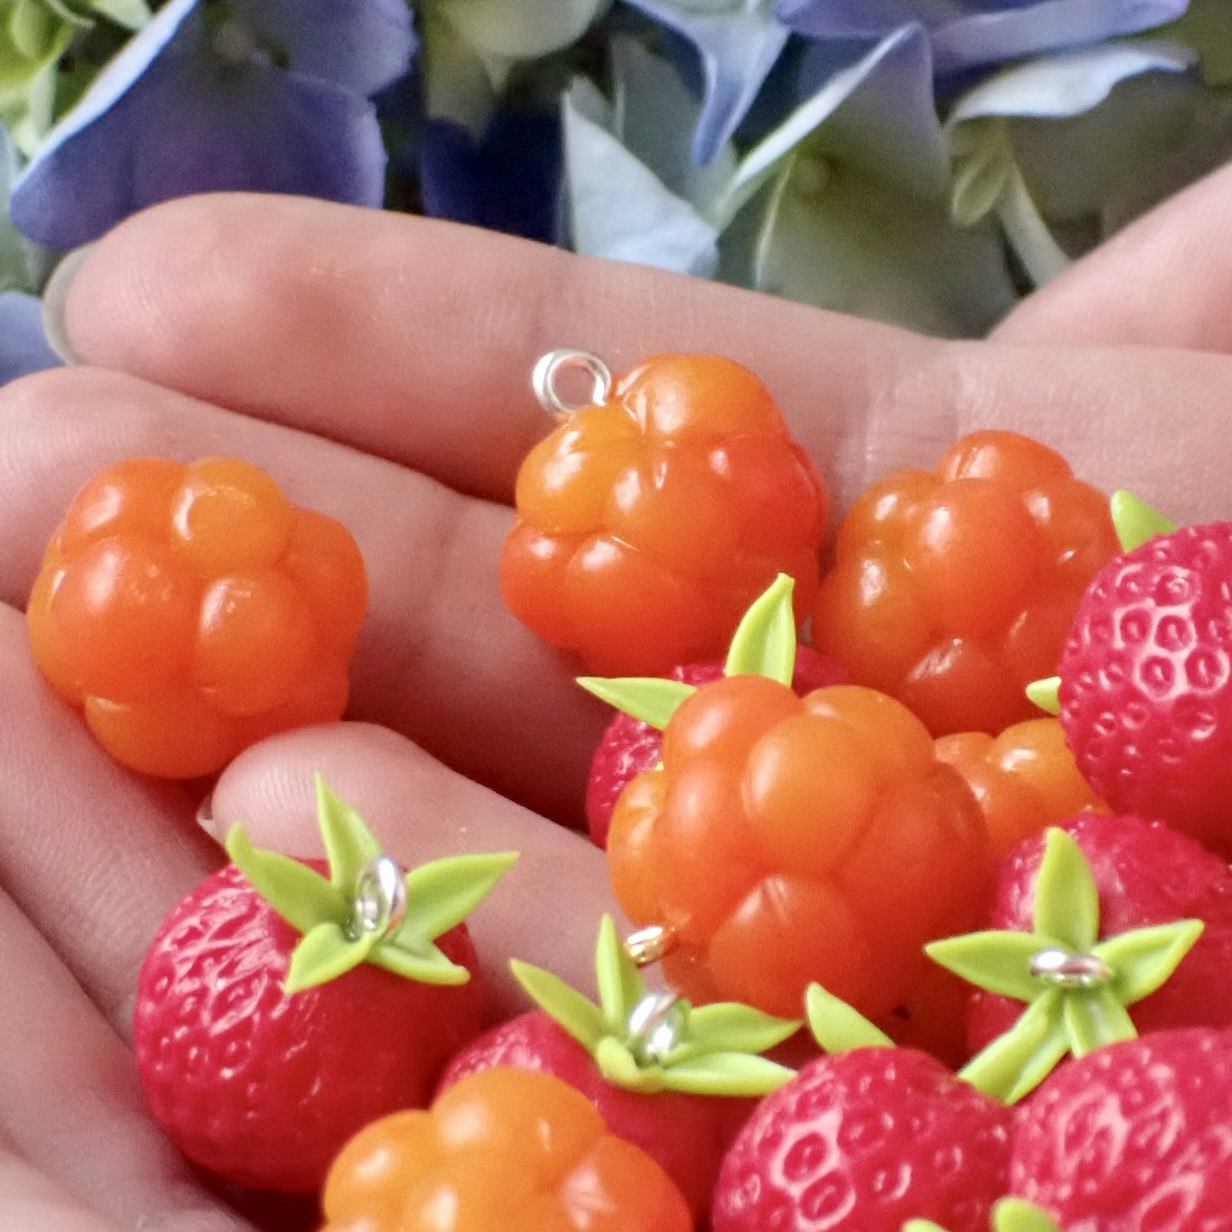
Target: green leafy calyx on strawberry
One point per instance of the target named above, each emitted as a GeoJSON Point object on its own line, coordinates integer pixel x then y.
{"type": "Point", "coordinates": [1009, 1215]}
{"type": "Point", "coordinates": [764, 644]}
{"type": "Point", "coordinates": [838, 1027]}
{"type": "Point", "coordinates": [646, 1041]}
{"type": "Point", "coordinates": [366, 910]}
{"type": "Point", "coordinates": [1077, 988]}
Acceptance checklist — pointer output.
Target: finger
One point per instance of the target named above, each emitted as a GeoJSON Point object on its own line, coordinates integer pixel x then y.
{"type": "Point", "coordinates": [32, 1202]}
{"type": "Point", "coordinates": [70, 1103]}
{"type": "Point", "coordinates": [1165, 280]}
{"type": "Point", "coordinates": [94, 856]}
{"type": "Point", "coordinates": [414, 339]}
{"type": "Point", "coordinates": [546, 910]}
{"type": "Point", "coordinates": [440, 658]}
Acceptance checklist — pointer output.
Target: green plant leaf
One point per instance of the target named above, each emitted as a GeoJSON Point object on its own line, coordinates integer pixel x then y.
{"type": "Point", "coordinates": [837, 1026]}
{"type": "Point", "coordinates": [998, 960]}
{"type": "Point", "coordinates": [1066, 896]}
{"type": "Point", "coordinates": [1045, 694]}
{"type": "Point", "coordinates": [578, 1015]}
{"type": "Point", "coordinates": [1094, 1017]}
{"type": "Point", "coordinates": [441, 894]}
{"type": "Point", "coordinates": [427, 965]}
{"type": "Point", "coordinates": [617, 1064]}
{"type": "Point", "coordinates": [1016, 1062]}
{"type": "Point", "coordinates": [1143, 960]}
{"type": "Point", "coordinates": [1136, 522]}
{"type": "Point", "coordinates": [298, 893]}
{"type": "Point", "coordinates": [621, 985]}
{"type": "Point", "coordinates": [131, 14]}
{"type": "Point", "coordinates": [764, 643]}
{"type": "Point", "coordinates": [323, 955]}
{"type": "Point", "coordinates": [1019, 1215]}
{"type": "Point", "coordinates": [645, 698]}
{"type": "Point", "coordinates": [349, 841]}
{"type": "Point", "coordinates": [922, 1225]}
{"type": "Point", "coordinates": [728, 1026]}
{"type": "Point", "coordinates": [726, 1073]}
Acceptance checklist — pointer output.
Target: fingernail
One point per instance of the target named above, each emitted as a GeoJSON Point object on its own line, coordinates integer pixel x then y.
{"type": "Point", "coordinates": [206, 819]}
{"type": "Point", "coordinates": [55, 300]}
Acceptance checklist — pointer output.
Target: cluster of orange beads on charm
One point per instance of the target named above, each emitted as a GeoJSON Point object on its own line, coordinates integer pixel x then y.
{"type": "Point", "coordinates": [954, 589]}
{"type": "Point", "coordinates": [191, 610]}
{"type": "Point", "coordinates": [787, 840]}
{"type": "Point", "coordinates": [651, 518]}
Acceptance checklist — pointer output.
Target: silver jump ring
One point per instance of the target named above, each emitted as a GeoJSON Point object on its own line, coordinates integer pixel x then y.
{"type": "Point", "coordinates": [657, 1023]}
{"type": "Point", "coordinates": [1065, 970]}
{"type": "Point", "coordinates": [547, 369]}
{"type": "Point", "coordinates": [380, 901]}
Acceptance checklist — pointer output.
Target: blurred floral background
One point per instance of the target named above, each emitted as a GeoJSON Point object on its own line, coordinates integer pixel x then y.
{"type": "Point", "coordinates": [924, 162]}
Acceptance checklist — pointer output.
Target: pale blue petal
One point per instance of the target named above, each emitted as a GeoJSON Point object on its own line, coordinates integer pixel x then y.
{"type": "Point", "coordinates": [1070, 82]}
{"type": "Point", "coordinates": [654, 117]}
{"type": "Point", "coordinates": [617, 207]}
{"type": "Point", "coordinates": [361, 44]}
{"type": "Point", "coordinates": [738, 45]}
{"type": "Point", "coordinates": [874, 109]}
{"type": "Point", "coordinates": [23, 346]}
{"type": "Point", "coordinates": [841, 240]}
{"type": "Point", "coordinates": [966, 33]}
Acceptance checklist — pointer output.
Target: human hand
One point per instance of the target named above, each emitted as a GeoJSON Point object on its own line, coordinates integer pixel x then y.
{"type": "Point", "coordinates": [377, 366]}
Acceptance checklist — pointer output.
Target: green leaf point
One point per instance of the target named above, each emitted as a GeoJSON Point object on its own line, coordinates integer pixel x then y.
{"type": "Point", "coordinates": [764, 643]}
{"type": "Point", "coordinates": [646, 698]}
{"type": "Point", "coordinates": [1008, 1215]}
{"type": "Point", "coordinates": [647, 1040]}
{"type": "Point", "coordinates": [1136, 522]}
{"type": "Point", "coordinates": [838, 1027]}
{"type": "Point", "coordinates": [1077, 988]}
{"type": "Point", "coordinates": [368, 909]}
{"type": "Point", "coordinates": [1046, 694]}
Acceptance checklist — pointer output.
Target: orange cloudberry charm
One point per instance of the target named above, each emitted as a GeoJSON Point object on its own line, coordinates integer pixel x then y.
{"type": "Point", "coordinates": [651, 517]}
{"type": "Point", "coordinates": [503, 1148]}
{"type": "Point", "coordinates": [954, 589]}
{"type": "Point", "coordinates": [191, 610]}
{"type": "Point", "coordinates": [787, 840]}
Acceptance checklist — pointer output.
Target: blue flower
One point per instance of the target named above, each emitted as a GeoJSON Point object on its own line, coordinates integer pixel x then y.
{"type": "Point", "coordinates": [264, 95]}
{"type": "Point", "coordinates": [23, 346]}
{"type": "Point", "coordinates": [964, 33]}
{"type": "Point", "coordinates": [738, 43]}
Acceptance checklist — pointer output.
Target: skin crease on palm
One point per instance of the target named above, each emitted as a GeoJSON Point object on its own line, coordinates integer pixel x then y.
{"type": "Point", "coordinates": [378, 366]}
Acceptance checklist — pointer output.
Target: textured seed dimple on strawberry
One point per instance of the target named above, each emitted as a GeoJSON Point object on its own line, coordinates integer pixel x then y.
{"type": "Point", "coordinates": [675, 1080]}
{"type": "Point", "coordinates": [954, 589]}
{"type": "Point", "coordinates": [280, 1010]}
{"type": "Point", "coordinates": [788, 840]}
{"type": "Point", "coordinates": [651, 518]}
{"type": "Point", "coordinates": [506, 1149]}
{"type": "Point", "coordinates": [190, 610]}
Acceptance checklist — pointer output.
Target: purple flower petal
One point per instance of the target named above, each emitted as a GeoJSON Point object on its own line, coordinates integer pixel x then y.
{"type": "Point", "coordinates": [172, 116]}
{"type": "Point", "coordinates": [509, 181]}
{"type": "Point", "coordinates": [973, 32]}
{"type": "Point", "coordinates": [362, 44]}
{"type": "Point", "coordinates": [23, 346]}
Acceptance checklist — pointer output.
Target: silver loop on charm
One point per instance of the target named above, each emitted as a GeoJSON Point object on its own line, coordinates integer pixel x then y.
{"type": "Point", "coordinates": [1065, 970]}
{"type": "Point", "coordinates": [380, 901]}
{"type": "Point", "coordinates": [650, 945]}
{"type": "Point", "coordinates": [657, 1023]}
{"type": "Point", "coordinates": [547, 369]}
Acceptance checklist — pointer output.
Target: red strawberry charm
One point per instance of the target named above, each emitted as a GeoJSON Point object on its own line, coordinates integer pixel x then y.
{"type": "Point", "coordinates": [1145, 685]}
{"type": "Point", "coordinates": [279, 1011]}
{"type": "Point", "coordinates": [675, 1080]}
{"type": "Point", "coordinates": [1077, 981]}
{"type": "Point", "coordinates": [631, 746]}
{"type": "Point", "coordinates": [865, 1140]}
{"type": "Point", "coordinates": [1133, 1137]}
